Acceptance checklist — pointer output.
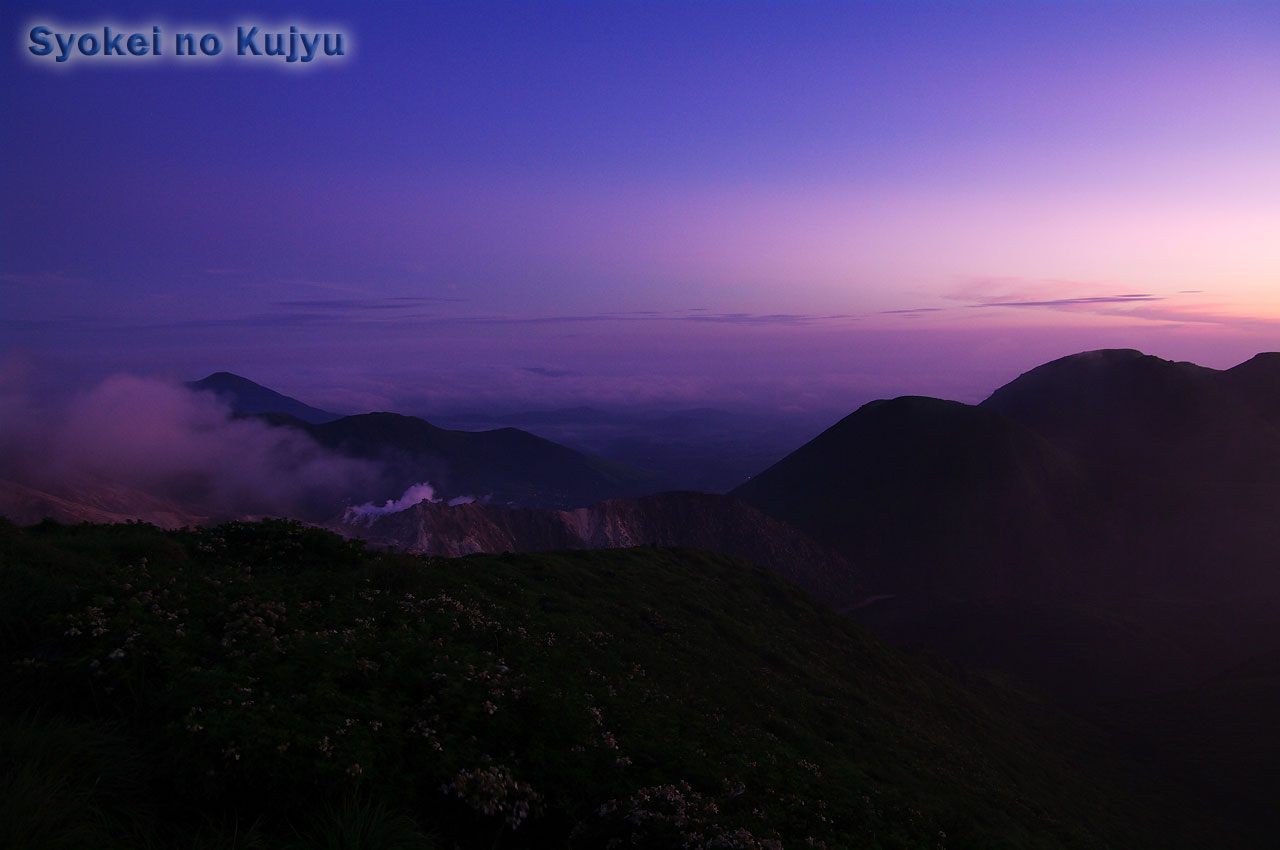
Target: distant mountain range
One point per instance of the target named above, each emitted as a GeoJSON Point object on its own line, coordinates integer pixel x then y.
{"type": "Point", "coordinates": [707, 449]}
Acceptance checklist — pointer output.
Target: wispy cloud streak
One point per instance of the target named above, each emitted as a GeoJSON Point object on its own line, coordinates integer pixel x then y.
{"type": "Point", "coordinates": [1073, 302]}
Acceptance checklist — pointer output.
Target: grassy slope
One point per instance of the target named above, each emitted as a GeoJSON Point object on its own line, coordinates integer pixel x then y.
{"type": "Point", "coordinates": [257, 685]}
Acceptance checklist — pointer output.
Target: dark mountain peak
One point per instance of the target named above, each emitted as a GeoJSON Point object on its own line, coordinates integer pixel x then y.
{"type": "Point", "coordinates": [1257, 380]}
{"type": "Point", "coordinates": [392, 428]}
{"type": "Point", "coordinates": [1104, 366]}
{"type": "Point", "coordinates": [1264, 363]}
{"type": "Point", "coordinates": [895, 437]}
{"type": "Point", "coordinates": [507, 464]}
{"type": "Point", "coordinates": [1104, 355]}
{"type": "Point", "coordinates": [1116, 385]}
{"type": "Point", "coordinates": [388, 418]}
{"type": "Point", "coordinates": [935, 425]}
{"type": "Point", "coordinates": [924, 493]}
{"type": "Point", "coordinates": [1272, 357]}
{"type": "Point", "coordinates": [229, 382]}
{"type": "Point", "coordinates": [911, 405]}
{"type": "Point", "coordinates": [226, 378]}
{"type": "Point", "coordinates": [246, 397]}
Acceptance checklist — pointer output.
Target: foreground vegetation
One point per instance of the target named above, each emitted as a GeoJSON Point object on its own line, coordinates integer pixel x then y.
{"type": "Point", "coordinates": [271, 685]}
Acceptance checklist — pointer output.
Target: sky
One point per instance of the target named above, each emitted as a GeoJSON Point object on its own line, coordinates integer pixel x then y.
{"type": "Point", "coordinates": [787, 206]}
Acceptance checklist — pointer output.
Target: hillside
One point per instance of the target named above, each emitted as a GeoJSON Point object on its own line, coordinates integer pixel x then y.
{"type": "Point", "coordinates": [1222, 735]}
{"type": "Point", "coordinates": [269, 685]}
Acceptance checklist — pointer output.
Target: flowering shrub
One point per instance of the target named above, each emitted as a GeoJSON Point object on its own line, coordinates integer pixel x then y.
{"type": "Point", "coordinates": [493, 791]}
{"type": "Point", "coordinates": [676, 815]}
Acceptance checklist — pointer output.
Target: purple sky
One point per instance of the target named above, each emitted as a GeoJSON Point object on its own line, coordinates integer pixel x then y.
{"type": "Point", "coordinates": [793, 205]}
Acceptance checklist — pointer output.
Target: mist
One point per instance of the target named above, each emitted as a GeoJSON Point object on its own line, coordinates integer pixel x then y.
{"type": "Point", "coordinates": [169, 442]}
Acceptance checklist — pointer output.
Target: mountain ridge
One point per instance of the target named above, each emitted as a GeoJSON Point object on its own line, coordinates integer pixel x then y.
{"type": "Point", "coordinates": [506, 465]}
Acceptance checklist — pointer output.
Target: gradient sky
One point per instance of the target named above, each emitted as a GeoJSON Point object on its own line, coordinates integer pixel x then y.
{"type": "Point", "coordinates": [791, 205]}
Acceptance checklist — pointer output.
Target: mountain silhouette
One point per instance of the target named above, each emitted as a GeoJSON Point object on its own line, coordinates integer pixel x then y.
{"type": "Point", "coordinates": [244, 396]}
{"type": "Point", "coordinates": [505, 466]}
{"type": "Point", "coordinates": [1103, 524]}
{"type": "Point", "coordinates": [906, 488]}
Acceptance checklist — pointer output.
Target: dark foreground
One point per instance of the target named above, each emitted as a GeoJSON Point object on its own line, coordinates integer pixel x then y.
{"type": "Point", "coordinates": [269, 685]}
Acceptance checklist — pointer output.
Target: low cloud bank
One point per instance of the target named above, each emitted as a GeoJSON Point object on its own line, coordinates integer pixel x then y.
{"type": "Point", "coordinates": [167, 441]}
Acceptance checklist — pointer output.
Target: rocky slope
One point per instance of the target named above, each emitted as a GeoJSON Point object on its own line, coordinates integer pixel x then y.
{"type": "Point", "coordinates": [718, 524]}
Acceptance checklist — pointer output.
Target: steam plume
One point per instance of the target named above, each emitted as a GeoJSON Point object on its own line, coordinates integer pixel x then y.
{"type": "Point", "coordinates": [422, 492]}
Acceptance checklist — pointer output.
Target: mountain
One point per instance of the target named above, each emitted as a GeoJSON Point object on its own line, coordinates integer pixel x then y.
{"type": "Point", "coordinates": [909, 487]}
{"type": "Point", "coordinates": [1258, 380]}
{"type": "Point", "coordinates": [504, 466]}
{"type": "Point", "coordinates": [1104, 524]}
{"type": "Point", "coordinates": [712, 523]}
{"type": "Point", "coordinates": [271, 685]}
{"type": "Point", "coordinates": [244, 396]}
{"type": "Point", "coordinates": [1184, 461]}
